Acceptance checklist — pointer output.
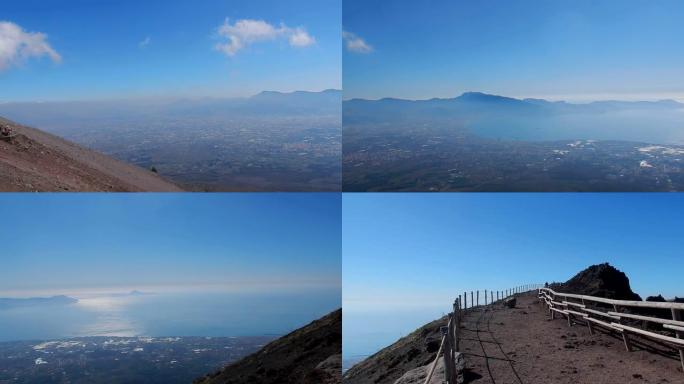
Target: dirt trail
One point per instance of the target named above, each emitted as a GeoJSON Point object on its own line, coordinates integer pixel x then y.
{"type": "Point", "coordinates": [524, 346]}
{"type": "Point", "coordinates": [41, 162]}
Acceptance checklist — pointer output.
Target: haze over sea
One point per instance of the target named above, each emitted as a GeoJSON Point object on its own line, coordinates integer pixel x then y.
{"type": "Point", "coordinates": [189, 313]}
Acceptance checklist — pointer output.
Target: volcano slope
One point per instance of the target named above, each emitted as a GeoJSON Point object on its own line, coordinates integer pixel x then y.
{"type": "Point", "coordinates": [309, 355]}
{"type": "Point", "coordinates": [36, 161]}
{"type": "Point", "coordinates": [522, 345]}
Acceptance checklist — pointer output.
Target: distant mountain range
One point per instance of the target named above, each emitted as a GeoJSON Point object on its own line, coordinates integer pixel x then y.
{"type": "Point", "coordinates": [478, 102]}
{"type": "Point", "coordinates": [6, 303]}
{"type": "Point", "coordinates": [264, 104]}
{"type": "Point", "coordinates": [531, 119]}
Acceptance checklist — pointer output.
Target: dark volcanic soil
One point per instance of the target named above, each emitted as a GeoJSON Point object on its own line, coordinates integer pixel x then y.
{"type": "Point", "coordinates": [309, 355]}
{"type": "Point", "coordinates": [35, 161]}
{"type": "Point", "coordinates": [523, 345]}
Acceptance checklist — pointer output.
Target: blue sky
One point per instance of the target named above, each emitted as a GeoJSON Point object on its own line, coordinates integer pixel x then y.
{"type": "Point", "coordinates": [55, 242]}
{"type": "Point", "coordinates": [419, 249]}
{"type": "Point", "coordinates": [129, 48]}
{"type": "Point", "coordinates": [576, 50]}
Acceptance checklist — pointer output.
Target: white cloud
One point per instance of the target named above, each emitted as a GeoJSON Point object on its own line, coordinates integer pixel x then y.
{"type": "Point", "coordinates": [300, 38]}
{"type": "Point", "coordinates": [355, 44]}
{"type": "Point", "coordinates": [17, 45]}
{"type": "Point", "coordinates": [145, 42]}
{"type": "Point", "coordinates": [245, 32]}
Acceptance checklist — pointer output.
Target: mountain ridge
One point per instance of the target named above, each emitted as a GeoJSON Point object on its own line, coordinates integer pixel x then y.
{"type": "Point", "coordinates": [6, 303]}
{"type": "Point", "coordinates": [483, 96]}
{"type": "Point", "coordinates": [506, 118]}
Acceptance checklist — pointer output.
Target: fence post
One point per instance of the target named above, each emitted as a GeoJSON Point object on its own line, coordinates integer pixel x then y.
{"type": "Point", "coordinates": [491, 297]}
{"type": "Point", "coordinates": [447, 352]}
{"type": "Point", "coordinates": [485, 292]}
{"type": "Point", "coordinates": [465, 300]}
{"type": "Point", "coordinates": [472, 302]}
{"type": "Point", "coordinates": [677, 316]}
{"type": "Point", "coordinates": [455, 321]}
{"type": "Point", "coordinates": [477, 297]}
{"type": "Point", "coordinates": [625, 338]}
{"type": "Point", "coordinates": [457, 328]}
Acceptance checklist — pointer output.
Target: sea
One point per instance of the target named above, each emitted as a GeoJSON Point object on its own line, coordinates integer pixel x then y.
{"type": "Point", "coordinates": [210, 314]}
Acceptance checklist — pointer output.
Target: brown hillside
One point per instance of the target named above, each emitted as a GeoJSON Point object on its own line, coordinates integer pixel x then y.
{"type": "Point", "coordinates": [309, 355]}
{"type": "Point", "coordinates": [36, 161]}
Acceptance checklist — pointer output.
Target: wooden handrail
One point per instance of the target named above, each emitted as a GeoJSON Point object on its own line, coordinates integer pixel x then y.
{"type": "Point", "coordinates": [673, 327]}
{"type": "Point", "coordinates": [622, 303]}
{"type": "Point", "coordinates": [548, 296]}
{"type": "Point", "coordinates": [434, 363]}
{"type": "Point", "coordinates": [599, 313]}
{"type": "Point", "coordinates": [669, 339]}
{"type": "Point", "coordinates": [647, 318]}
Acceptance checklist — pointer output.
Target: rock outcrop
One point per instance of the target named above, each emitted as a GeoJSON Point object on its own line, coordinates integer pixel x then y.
{"type": "Point", "coordinates": [602, 280]}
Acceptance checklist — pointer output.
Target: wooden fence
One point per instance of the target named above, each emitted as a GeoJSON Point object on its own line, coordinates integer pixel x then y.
{"type": "Point", "coordinates": [450, 344]}
{"type": "Point", "coordinates": [595, 311]}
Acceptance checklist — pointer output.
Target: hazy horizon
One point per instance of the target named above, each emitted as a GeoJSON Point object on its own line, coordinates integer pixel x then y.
{"type": "Point", "coordinates": [105, 291]}
{"type": "Point", "coordinates": [570, 99]}
{"type": "Point", "coordinates": [166, 97]}
{"type": "Point", "coordinates": [143, 241]}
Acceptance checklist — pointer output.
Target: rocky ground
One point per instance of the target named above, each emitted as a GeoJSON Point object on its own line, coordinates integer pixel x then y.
{"type": "Point", "coordinates": [309, 355]}
{"type": "Point", "coordinates": [523, 345]}
{"type": "Point", "coordinates": [35, 161]}
{"type": "Point", "coordinates": [408, 353]}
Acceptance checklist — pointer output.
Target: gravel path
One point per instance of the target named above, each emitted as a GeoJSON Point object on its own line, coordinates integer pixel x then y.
{"type": "Point", "coordinates": [524, 346]}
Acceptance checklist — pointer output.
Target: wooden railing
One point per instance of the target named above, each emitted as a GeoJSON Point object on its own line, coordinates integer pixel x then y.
{"type": "Point", "coordinates": [450, 344]}
{"type": "Point", "coordinates": [594, 311]}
